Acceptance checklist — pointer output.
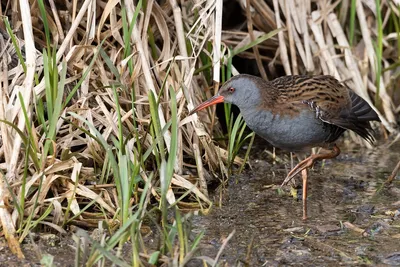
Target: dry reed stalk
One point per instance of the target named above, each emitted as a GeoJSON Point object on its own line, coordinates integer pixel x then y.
{"type": "Point", "coordinates": [282, 44]}
{"type": "Point", "coordinates": [6, 220]}
{"type": "Point", "coordinates": [137, 39]}
{"type": "Point", "coordinates": [287, 4]}
{"type": "Point", "coordinates": [25, 89]}
{"type": "Point", "coordinates": [6, 139]}
{"type": "Point", "coordinates": [319, 38]}
{"type": "Point", "coordinates": [16, 142]}
{"type": "Point", "coordinates": [200, 170]}
{"type": "Point", "coordinates": [217, 42]}
{"type": "Point", "coordinates": [266, 19]}
{"type": "Point", "coordinates": [253, 38]}
{"type": "Point", "coordinates": [304, 28]}
{"type": "Point", "coordinates": [352, 65]}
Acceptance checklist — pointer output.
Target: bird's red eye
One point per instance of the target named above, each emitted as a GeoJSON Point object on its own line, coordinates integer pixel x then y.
{"type": "Point", "coordinates": [231, 90]}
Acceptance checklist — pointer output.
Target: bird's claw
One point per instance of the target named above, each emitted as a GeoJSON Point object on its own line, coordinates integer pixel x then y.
{"type": "Point", "coordinates": [290, 176]}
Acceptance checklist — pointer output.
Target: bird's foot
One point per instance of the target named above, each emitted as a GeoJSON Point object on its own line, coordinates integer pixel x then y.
{"type": "Point", "coordinates": [307, 163]}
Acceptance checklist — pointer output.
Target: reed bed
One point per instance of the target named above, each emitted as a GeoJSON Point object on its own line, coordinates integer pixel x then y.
{"type": "Point", "coordinates": [95, 96]}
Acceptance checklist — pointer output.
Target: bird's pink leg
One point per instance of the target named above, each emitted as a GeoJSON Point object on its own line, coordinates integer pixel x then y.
{"type": "Point", "coordinates": [309, 162]}
{"type": "Point", "coordinates": [304, 174]}
{"type": "Point", "coordinates": [303, 168]}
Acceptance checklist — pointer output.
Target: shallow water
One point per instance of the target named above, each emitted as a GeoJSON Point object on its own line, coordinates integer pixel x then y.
{"type": "Point", "coordinates": [269, 230]}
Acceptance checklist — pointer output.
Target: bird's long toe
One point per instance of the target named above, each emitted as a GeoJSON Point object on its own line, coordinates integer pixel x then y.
{"type": "Point", "coordinates": [307, 163]}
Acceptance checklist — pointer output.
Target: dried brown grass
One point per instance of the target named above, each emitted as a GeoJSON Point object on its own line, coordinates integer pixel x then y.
{"type": "Point", "coordinates": [314, 41]}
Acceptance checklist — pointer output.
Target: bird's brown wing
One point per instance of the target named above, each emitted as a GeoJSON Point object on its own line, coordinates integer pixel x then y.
{"type": "Point", "coordinates": [357, 118]}
{"type": "Point", "coordinates": [332, 102]}
{"type": "Point", "coordinates": [351, 112]}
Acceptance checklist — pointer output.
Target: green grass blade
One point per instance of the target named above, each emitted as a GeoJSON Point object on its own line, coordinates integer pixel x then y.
{"type": "Point", "coordinates": [45, 22]}
{"type": "Point", "coordinates": [257, 41]}
{"type": "Point", "coordinates": [14, 42]}
{"type": "Point", "coordinates": [174, 136]}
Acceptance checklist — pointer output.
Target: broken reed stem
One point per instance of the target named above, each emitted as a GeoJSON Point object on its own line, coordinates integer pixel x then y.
{"type": "Point", "coordinates": [393, 175]}
{"type": "Point", "coordinates": [200, 171]}
{"type": "Point", "coordinates": [224, 244]}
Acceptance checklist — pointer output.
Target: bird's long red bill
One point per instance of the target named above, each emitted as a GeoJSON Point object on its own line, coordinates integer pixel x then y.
{"type": "Point", "coordinates": [212, 101]}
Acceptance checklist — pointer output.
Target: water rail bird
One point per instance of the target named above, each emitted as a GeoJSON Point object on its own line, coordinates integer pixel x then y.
{"type": "Point", "coordinates": [296, 113]}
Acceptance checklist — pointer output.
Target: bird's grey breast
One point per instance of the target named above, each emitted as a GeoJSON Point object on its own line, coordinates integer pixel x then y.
{"type": "Point", "coordinates": [291, 133]}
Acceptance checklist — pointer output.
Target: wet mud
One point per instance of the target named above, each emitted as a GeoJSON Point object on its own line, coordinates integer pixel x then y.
{"type": "Point", "coordinates": [349, 223]}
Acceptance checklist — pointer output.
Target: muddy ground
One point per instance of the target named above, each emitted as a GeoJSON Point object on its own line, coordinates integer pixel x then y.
{"type": "Point", "coordinates": [348, 225]}
{"type": "Point", "coordinates": [269, 230]}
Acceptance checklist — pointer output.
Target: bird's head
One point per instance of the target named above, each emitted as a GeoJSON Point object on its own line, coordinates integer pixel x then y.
{"type": "Point", "coordinates": [241, 90]}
